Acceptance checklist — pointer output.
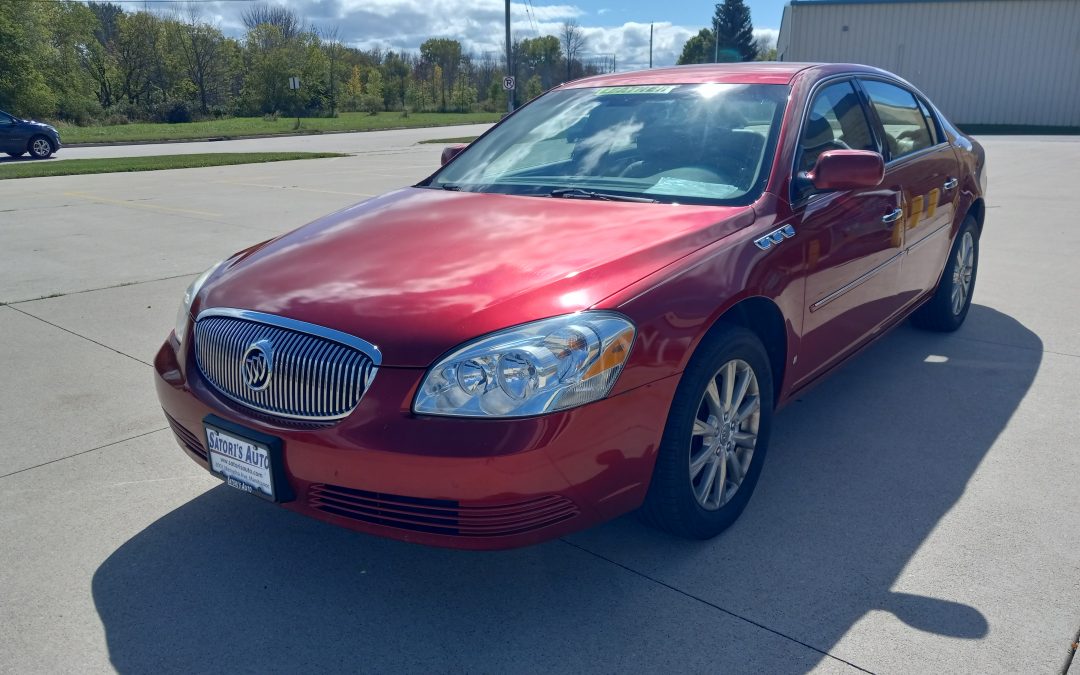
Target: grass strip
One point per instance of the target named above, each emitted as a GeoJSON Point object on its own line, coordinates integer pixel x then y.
{"type": "Point", "coordinates": [449, 141]}
{"type": "Point", "coordinates": [232, 127]}
{"type": "Point", "coordinates": [28, 168]}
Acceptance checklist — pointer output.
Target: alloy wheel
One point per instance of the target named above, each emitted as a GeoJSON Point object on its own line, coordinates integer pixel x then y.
{"type": "Point", "coordinates": [41, 147]}
{"type": "Point", "coordinates": [725, 434]}
{"type": "Point", "coordinates": [963, 267]}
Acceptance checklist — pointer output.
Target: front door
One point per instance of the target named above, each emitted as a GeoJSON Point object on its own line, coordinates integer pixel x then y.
{"type": "Point", "coordinates": [853, 239]}
{"type": "Point", "coordinates": [8, 134]}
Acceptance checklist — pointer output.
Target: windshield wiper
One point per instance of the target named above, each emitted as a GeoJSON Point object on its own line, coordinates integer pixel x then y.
{"type": "Point", "coordinates": [578, 193]}
{"type": "Point", "coordinates": [451, 186]}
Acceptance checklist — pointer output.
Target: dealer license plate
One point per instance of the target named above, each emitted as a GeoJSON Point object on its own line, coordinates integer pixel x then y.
{"type": "Point", "coordinates": [243, 463]}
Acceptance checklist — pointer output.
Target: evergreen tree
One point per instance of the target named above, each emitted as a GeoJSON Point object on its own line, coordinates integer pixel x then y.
{"type": "Point", "coordinates": [734, 31]}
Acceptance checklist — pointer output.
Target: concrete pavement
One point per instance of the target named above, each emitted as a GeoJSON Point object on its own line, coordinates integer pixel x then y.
{"type": "Point", "coordinates": [917, 512]}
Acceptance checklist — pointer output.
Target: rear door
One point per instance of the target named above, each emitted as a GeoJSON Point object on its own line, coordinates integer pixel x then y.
{"type": "Point", "coordinates": [922, 165]}
{"type": "Point", "coordinates": [853, 238]}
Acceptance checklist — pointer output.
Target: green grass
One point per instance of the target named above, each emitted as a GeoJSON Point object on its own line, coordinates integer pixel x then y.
{"type": "Point", "coordinates": [72, 167]}
{"type": "Point", "coordinates": [257, 126]}
{"type": "Point", "coordinates": [450, 141]}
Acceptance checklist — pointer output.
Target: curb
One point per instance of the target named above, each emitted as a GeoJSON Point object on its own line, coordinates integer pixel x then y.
{"type": "Point", "coordinates": [210, 139]}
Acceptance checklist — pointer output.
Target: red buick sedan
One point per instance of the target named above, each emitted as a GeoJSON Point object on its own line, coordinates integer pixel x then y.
{"type": "Point", "coordinates": [594, 308]}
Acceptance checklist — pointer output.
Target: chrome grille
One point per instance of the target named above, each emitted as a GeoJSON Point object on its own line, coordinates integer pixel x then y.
{"type": "Point", "coordinates": [315, 373]}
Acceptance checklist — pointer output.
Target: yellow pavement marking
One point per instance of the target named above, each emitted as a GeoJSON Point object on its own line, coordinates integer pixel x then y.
{"type": "Point", "coordinates": [294, 187]}
{"type": "Point", "coordinates": [140, 205]}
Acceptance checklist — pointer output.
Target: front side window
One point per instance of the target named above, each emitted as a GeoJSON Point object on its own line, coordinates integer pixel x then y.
{"type": "Point", "coordinates": [4, 119]}
{"type": "Point", "coordinates": [837, 121]}
{"type": "Point", "coordinates": [700, 143]}
{"type": "Point", "coordinates": [901, 116]}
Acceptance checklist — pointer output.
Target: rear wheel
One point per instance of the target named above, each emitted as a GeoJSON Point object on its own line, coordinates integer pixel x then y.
{"type": "Point", "coordinates": [715, 439]}
{"type": "Point", "coordinates": [41, 147]}
{"type": "Point", "coordinates": [947, 309]}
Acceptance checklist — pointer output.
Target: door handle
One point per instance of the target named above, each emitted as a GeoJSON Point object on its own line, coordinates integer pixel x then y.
{"type": "Point", "coordinates": [951, 183]}
{"type": "Point", "coordinates": [892, 216]}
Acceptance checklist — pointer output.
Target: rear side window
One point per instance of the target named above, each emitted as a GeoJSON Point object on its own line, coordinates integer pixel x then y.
{"type": "Point", "coordinates": [902, 117]}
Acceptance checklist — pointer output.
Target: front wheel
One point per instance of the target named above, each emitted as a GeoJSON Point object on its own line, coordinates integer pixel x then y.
{"type": "Point", "coordinates": [714, 443]}
{"type": "Point", "coordinates": [41, 147]}
{"type": "Point", "coordinates": [947, 309]}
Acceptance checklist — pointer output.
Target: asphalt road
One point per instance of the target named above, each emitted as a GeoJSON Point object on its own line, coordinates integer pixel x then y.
{"type": "Point", "coordinates": [360, 142]}
{"type": "Point", "coordinates": [919, 512]}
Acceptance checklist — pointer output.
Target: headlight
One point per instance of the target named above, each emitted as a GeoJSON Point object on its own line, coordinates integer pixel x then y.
{"type": "Point", "coordinates": [536, 368]}
{"type": "Point", "coordinates": [183, 314]}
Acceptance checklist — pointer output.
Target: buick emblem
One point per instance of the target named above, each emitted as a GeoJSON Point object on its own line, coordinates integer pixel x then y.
{"type": "Point", "coordinates": [258, 365]}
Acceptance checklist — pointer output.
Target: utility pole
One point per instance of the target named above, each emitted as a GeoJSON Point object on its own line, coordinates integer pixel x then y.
{"type": "Point", "coordinates": [509, 65]}
{"type": "Point", "coordinates": [650, 44]}
{"type": "Point", "coordinates": [716, 40]}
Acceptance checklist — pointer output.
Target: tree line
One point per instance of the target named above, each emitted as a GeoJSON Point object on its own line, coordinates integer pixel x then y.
{"type": "Point", "coordinates": [101, 63]}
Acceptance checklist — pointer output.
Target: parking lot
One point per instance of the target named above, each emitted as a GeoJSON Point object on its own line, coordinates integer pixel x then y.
{"type": "Point", "coordinates": [918, 512]}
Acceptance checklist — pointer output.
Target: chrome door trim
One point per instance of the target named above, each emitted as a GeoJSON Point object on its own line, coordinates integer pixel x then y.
{"type": "Point", "coordinates": [922, 241]}
{"type": "Point", "coordinates": [855, 284]}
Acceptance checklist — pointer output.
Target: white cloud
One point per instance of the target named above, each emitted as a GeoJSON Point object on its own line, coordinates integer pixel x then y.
{"type": "Point", "coordinates": [477, 24]}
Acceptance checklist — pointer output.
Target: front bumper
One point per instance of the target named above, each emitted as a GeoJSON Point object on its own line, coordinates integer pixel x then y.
{"type": "Point", "coordinates": [460, 483]}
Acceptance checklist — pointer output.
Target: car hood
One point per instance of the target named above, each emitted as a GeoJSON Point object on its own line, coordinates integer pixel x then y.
{"type": "Point", "coordinates": [418, 271]}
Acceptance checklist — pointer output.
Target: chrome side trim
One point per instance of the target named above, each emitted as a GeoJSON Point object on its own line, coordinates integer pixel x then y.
{"type": "Point", "coordinates": [922, 241]}
{"type": "Point", "coordinates": [854, 284]}
{"type": "Point", "coordinates": [775, 237]}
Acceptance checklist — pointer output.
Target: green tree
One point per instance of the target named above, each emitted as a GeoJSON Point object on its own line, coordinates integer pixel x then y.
{"type": "Point", "coordinates": [533, 88]}
{"type": "Point", "coordinates": [735, 32]}
{"type": "Point", "coordinates": [354, 88]}
{"type": "Point", "coordinates": [203, 56]}
{"type": "Point", "coordinates": [698, 49]}
{"type": "Point", "coordinates": [24, 88]}
{"type": "Point", "coordinates": [445, 56]}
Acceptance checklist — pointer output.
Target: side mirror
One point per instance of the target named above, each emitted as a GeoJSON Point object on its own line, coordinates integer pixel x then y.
{"type": "Point", "coordinates": [847, 170]}
{"type": "Point", "coordinates": [452, 151]}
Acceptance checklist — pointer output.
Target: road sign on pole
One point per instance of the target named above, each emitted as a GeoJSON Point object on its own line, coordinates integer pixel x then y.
{"type": "Point", "coordinates": [508, 83]}
{"type": "Point", "coordinates": [294, 83]}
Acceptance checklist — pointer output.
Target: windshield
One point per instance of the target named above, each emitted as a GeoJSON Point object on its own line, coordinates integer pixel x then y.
{"type": "Point", "coordinates": [699, 143]}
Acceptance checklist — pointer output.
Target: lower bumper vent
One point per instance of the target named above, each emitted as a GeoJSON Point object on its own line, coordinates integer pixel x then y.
{"type": "Point", "coordinates": [186, 438]}
{"type": "Point", "coordinates": [440, 516]}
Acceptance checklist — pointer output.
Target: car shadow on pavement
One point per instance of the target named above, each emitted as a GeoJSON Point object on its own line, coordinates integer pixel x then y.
{"type": "Point", "coordinates": [860, 472]}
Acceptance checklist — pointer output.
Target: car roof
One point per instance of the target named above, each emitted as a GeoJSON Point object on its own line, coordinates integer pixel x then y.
{"type": "Point", "coordinates": [753, 72]}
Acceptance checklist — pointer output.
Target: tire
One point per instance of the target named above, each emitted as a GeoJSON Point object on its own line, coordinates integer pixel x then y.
{"type": "Point", "coordinates": [41, 147]}
{"type": "Point", "coordinates": [946, 310]}
{"type": "Point", "coordinates": [674, 501]}
{"type": "Point", "coordinates": [16, 154]}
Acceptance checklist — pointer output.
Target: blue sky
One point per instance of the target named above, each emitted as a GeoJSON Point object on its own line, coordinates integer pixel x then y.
{"type": "Point", "coordinates": [764, 13]}
{"type": "Point", "coordinates": [619, 27]}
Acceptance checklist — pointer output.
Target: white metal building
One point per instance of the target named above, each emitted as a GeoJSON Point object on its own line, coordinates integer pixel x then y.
{"type": "Point", "coordinates": [1009, 62]}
